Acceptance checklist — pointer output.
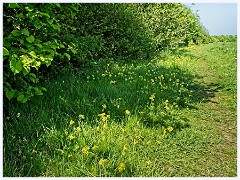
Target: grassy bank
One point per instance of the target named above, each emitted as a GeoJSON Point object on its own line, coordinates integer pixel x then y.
{"type": "Point", "coordinates": [172, 116]}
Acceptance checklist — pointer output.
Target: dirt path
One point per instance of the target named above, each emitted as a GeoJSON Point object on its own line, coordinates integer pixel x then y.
{"type": "Point", "coordinates": [218, 114]}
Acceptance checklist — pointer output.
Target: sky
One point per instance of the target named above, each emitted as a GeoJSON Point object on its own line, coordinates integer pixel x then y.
{"type": "Point", "coordinates": [217, 18]}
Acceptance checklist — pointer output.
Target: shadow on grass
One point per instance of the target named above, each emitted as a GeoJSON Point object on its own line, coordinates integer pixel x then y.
{"type": "Point", "coordinates": [154, 92]}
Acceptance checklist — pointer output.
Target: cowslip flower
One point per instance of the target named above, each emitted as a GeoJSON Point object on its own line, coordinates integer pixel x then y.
{"type": "Point", "coordinates": [101, 115]}
{"type": "Point", "coordinates": [78, 129]}
{"type": "Point", "coordinates": [85, 150]}
{"type": "Point", "coordinates": [121, 167]}
{"type": "Point", "coordinates": [127, 112]}
{"type": "Point", "coordinates": [72, 122]}
{"type": "Point", "coordinates": [70, 155]}
{"type": "Point", "coordinates": [170, 129]}
{"type": "Point", "coordinates": [103, 162]}
{"type": "Point", "coordinates": [164, 131]}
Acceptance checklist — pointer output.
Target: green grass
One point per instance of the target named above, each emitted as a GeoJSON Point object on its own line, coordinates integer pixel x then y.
{"type": "Point", "coordinates": [172, 116]}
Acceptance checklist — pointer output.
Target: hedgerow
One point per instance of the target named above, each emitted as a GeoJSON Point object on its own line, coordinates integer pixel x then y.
{"type": "Point", "coordinates": [40, 35]}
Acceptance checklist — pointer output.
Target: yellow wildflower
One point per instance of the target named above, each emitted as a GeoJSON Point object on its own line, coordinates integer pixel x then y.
{"type": "Point", "coordinates": [103, 162]}
{"type": "Point", "coordinates": [72, 122]}
{"type": "Point", "coordinates": [70, 155]}
{"type": "Point", "coordinates": [170, 129]}
{"type": "Point", "coordinates": [127, 112]}
{"type": "Point", "coordinates": [167, 108]}
{"type": "Point", "coordinates": [164, 131]}
{"type": "Point", "coordinates": [101, 115]}
{"type": "Point", "coordinates": [104, 119]}
{"type": "Point", "coordinates": [121, 167]}
{"type": "Point", "coordinates": [85, 150]}
{"type": "Point", "coordinates": [78, 129]}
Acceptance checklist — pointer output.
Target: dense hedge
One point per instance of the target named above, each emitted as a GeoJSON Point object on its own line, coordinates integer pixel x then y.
{"type": "Point", "coordinates": [37, 35]}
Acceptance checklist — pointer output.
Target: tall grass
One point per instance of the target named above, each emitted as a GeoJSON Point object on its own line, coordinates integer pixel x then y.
{"type": "Point", "coordinates": [114, 119]}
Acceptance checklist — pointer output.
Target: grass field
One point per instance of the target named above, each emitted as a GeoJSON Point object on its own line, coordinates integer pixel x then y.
{"type": "Point", "coordinates": [175, 115]}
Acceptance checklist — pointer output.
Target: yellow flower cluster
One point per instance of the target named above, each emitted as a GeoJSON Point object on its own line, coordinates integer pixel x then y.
{"type": "Point", "coordinates": [104, 117]}
{"type": "Point", "coordinates": [85, 150]}
{"type": "Point", "coordinates": [72, 122]}
{"type": "Point", "coordinates": [121, 167]}
{"type": "Point", "coordinates": [127, 112]}
{"type": "Point", "coordinates": [169, 129]}
{"type": "Point", "coordinates": [103, 162]}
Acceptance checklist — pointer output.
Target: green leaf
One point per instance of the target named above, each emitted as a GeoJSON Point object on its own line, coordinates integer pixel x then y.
{"type": "Point", "coordinates": [33, 77]}
{"type": "Point", "coordinates": [44, 89]}
{"type": "Point", "coordinates": [33, 54]}
{"type": "Point", "coordinates": [73, 51]}
{"type": "Point", "coordinates": [36, 64]}
{"type": "Point", "coordinates": [10, 94]}
{"type": "Point", "coordinates": [50, 21]}
{"type": "Point", "coordinates": [51, 51]}
{"type": "Point", "coordinates": [73, 14]}
{"type": "Point", "coordinates": [58, 5]}
{"type": "Point", "coordinates": [25, 32]}
{"type": "Point", "coordinates": [13, 5]}
{"type": "Point", "coordinates": [39, 45]}
{"type": "Point", "coordinates": [28, 8]}
{"type": "Point", "coordinates": [16, 32]}
{"type": "Point", "coordinates": [16, 66]}
{"type": "Point", "coordinates": [22, 41]}
{"type": "Point", "coordinates": [62, 46]}
{"type": "Point", "coordinates": [68, 56]}
{"type": "Point", "coordinates": [30, 39]}
{"type": "Point", "coordinates": [56, 27]}
{"type": "Point", "coordinates": [37, 23]}
{"type": "Point", "coordinates": [5, 52]}
{"type": "Point", "coordinates": [45, 14]}
{"type": "Point", "coordinates": [38, 91]}
{"type": "Point", "coordinates": [21, 98]}
{"type": "Point", "coordinates": [25, 71]}
{"type": "Point", "coordinates": [20, 15]}
{"type": "Point", "coordinates": [6, 43]}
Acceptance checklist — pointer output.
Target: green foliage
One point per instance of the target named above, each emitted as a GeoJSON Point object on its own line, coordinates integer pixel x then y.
{"type": "Point", "coordinates": [150, 104]}
{"type": "Point", "coordinates": [37, 36]}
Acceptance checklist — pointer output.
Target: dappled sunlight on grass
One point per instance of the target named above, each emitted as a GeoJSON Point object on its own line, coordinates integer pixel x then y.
{"type": "Point", "coordinates": [115, 119]}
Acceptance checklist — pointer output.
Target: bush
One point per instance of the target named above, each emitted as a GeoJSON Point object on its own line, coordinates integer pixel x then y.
{"type": "Point", "coordinates": [39, 35]}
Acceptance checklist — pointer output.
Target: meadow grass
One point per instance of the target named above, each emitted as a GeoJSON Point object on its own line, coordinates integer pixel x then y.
{"type": "Point", "coordinates": [174, 115]}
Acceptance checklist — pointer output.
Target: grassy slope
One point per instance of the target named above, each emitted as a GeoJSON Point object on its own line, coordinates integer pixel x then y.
{"type": "Point", "coordinates": [195, 86]}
